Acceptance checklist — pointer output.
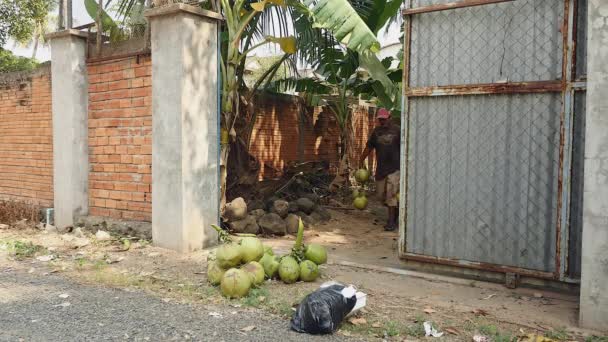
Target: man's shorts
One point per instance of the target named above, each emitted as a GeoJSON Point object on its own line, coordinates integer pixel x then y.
{"type": "Point", "coordinates": [387, 189]}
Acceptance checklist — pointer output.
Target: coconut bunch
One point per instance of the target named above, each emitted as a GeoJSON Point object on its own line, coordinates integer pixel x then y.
{"type": "Point", "coordinates": [359, 196]}
{"type": "Point", "coordinates": [237, 267]}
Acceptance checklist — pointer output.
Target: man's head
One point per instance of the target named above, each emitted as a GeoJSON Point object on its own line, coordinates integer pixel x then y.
{"type": "Point", "coordinates": [383, 116]}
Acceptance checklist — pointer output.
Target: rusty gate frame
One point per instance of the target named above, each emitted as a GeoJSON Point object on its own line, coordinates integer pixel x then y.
{"type": "Point", "coordinates": [566, 86]}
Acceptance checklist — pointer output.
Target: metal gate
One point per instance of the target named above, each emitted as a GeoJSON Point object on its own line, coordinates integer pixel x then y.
{"type": "Point", "coordinates": [488, 133]}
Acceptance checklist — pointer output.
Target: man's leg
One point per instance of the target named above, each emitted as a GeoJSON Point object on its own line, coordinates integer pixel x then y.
{"type": "Point", "coordinates": [392, 188]}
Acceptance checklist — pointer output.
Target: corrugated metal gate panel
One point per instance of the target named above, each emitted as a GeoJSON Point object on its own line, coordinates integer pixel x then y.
{"type": "Point", "coordinates": [489, 133]}
{"type": "Point", "coordinates": [515, 41]}
{"type": "Point", "coordinates": [483, 178]}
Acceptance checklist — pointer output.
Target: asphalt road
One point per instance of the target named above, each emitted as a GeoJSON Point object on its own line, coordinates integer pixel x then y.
{"type": "Point", "coordinates": [35, 308]}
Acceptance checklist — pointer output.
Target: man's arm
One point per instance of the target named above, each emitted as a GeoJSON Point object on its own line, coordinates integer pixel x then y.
{"type": "Point", "coordinates": [364, 156]}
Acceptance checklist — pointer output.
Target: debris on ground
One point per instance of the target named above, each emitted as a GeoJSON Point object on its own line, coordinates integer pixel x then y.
{"type": "Point", "coordinates": [45, 258]}
{"type": "Point", "coordinates": [322, 311]}
{"type": "Point", "coordinates": [481, 338]}
{"type": "Point", "coordinates": [102, 235]}
{"type": "Point", "coordinates": [429, 330]}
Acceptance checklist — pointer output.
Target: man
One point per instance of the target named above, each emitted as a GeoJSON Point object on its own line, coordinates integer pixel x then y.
{"type": "Point", "coordinates": [386, 141]}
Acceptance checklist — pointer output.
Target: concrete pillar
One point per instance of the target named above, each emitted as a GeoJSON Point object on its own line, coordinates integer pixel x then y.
{"type": "Point", "coordinates": [185, 127]}
{"type": "Point", "coordinates": [70, 126]}
{"type": "Point", "coordinates": [594, 279]}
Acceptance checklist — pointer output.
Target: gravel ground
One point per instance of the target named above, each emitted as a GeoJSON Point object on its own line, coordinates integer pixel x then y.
{"type": "Point", "coordinates": [34, 308]}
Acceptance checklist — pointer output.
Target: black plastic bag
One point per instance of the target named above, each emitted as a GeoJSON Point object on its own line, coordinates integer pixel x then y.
{"type": "Point", "coordinates": [322, 311]}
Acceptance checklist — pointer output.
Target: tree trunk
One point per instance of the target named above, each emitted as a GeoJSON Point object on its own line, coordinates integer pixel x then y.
{"type": "Point", "coordinates": [35, 48]}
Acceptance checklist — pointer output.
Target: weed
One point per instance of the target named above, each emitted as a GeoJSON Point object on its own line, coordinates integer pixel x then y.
{"type": "Point", "coordinates": [255, 297]}
{"type": "Point", "coordinates": [496, 336]}
{"type": "Point", "coordinates": [415, 330]}
{"type": "Point", "coordinates": [99, 265]}
{"type": "Point", "coordinates": [596, 339]}
{"type": "Point", "coordinates": [22, 250]}
{"type": "Point", "coordinates": [392, 328]}
{"type": "Point", "coordinates": [557, 334]}
{"type": "Point", "coordinates": [81, 262]}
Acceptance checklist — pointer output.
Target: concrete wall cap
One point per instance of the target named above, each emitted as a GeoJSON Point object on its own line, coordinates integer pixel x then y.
{"type": "Point", "coordinates": [66, 33]}
{"type": "Point", "coordinates": [181, 7]}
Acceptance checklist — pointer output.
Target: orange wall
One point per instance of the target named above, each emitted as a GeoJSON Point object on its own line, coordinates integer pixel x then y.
{"type": "Point", "coordinates": [120, 139]}
{"type": "Point", "coordinates": [26, 141]}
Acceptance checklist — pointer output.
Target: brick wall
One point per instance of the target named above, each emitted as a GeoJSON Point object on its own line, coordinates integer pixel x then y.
{"type": "Point", "coordinates": [276, 135]}
{"type": "Point", "coordinates": [26, 142]}
{"type": "Point", "coordinates": [120, 139]}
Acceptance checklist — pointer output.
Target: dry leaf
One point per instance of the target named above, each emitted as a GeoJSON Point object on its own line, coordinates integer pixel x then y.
{"type": "Point", "coordinates": [261, 299]}
{"type": "Point", "coordinates": [376, 325]}
{"type": "Point", "coordinates": [357, 321]}
{"type": "Point", "coordinates": [490, 296]}
{"type": "Point", "coordinates": [452, 331]}
{"type": "Point", "coordinates": [429, 310]}
{"type": "Point", "coordinates": [248, 328]}
{"type": "Point", "coordinates": [480, 312]}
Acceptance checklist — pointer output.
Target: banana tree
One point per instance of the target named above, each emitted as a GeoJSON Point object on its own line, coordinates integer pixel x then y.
{"type": "Point", "coordinates": [314, 23]}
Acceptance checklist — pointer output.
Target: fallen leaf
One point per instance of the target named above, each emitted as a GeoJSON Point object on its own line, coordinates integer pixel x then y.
{"type": "Point", "coordinates": [64, 295]}
{"type": "Point", "coordinates": [63, 305]}
{"type": "Point", "coordinates": [215, 314]}
{"type": "Point", "coordinates": [452, 331]}
{"type": "Point", "coordinates": [261, 299]}
{"type": "Point", "coordinates": [429, 310]}
{"type": "Point", "coordinates": [488, 297]}
{"type": "Point", "coordinates": [358, 321]}
{"type": "Point", "coordinates": [535, 338]}
{"type": "Point", "coordinates": [248, 328]}
{"type": "Point", "coordinates": [480, 312]}
{"type": "Point", "coordinates": [376, 325]}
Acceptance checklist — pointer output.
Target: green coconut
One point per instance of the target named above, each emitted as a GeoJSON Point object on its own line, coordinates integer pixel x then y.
{"type": "Point", "coordinates": [255, 272]}
{"type": "Point", "coordinates": [268, 250]}
{"type": "Point", "coordinates": [251, 249]}
{"type": "Point", "coordinates": [316, 253]}
{"type": "Point", "coordinates": [228, 255]}
{"type": "Point", "coordinates": [270, 264]}
{"type": "Point", "coordinates": [289, 270]}
{"type": "Point", "coordinates": [362, 175]}
{"type": "Point", "coordinates": [214, 272]}
{"type": "Point", "coordinates": [360, 202]}
{"type": "Point", "coordinates": [309, 271]}
{"type": "Point", "coordinates": [235, 283]}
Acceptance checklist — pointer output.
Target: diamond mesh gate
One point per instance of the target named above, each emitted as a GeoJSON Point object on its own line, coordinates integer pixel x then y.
{"type": "Point", "coordinates": [489, 90]}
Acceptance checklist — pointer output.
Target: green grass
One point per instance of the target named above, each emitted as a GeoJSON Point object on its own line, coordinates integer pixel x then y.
{"type": "Point", "coordinates": [392, 328]}
{"type": "Point", "coordinates": [496, 335]}
{"type": "Point", "coordinates": [596, 339]}
{"type": "Point", "coordinates": [557, 334]}
{"type": "Point", "coordinates": [22, 250]}
{"type": "Point", "coordinates": [256, 297]}
{"type": "Point", "coordinates": [415, 330]}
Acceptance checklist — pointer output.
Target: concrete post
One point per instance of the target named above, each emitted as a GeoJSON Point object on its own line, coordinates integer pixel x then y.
{"type": "Point", "coordinates": [185, 127]}
{"type": "Point", "coordinates": [594, 279]}
{"type": "Point", "coordinates": [70, 126]}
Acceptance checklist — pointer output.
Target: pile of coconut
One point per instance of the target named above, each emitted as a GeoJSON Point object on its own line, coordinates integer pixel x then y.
{"type": "Point", "coordinates": [237, 267]}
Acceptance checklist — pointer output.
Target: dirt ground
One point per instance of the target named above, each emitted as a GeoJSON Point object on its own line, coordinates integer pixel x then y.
{"type": "Point", "coordinates": [397, 304]}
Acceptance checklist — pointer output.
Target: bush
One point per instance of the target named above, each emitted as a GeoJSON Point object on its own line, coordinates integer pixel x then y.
{"type": "Point", "coordinates": [9, 62]}
{"type": "Point", "coordinates": [12, 211]}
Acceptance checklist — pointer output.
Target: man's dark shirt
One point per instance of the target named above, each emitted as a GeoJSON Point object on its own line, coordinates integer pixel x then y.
{"type": "Point", "coordinates": [386, 140]}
